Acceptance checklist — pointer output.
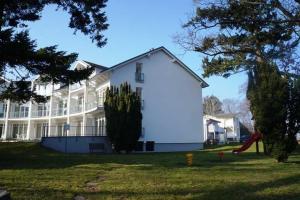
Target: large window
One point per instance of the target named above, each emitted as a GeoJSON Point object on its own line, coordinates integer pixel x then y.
{"type": "Point", "coordinates": [1, 130]}
{"type": "Point", "coordinates": [20, 111]}
{"type": "Point", "coordinates": [3, 108]}
{"type": "Point", "coordinates": [138, 91]}
{"type": "Point", "coordinates": [62, 107]}
{"type": "Point", "coordinates": [150, 145]}
{"type": "Point", "coordinates": [100, 127]}
{"type": "Point", "coordinates": [42, 130]}
{"type": "Point", "coordinates": [42, 110]}
{"type": "Point", "coordinates": [19, 131]}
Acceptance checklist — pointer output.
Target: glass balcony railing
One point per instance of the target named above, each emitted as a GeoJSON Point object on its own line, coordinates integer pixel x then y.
{"type": "Point", "coordinates": [19, 114]}
{"type": "Point", "coordinates": [59, 112]}
{"type": "Point", "coordinates": [2, 114]}
{"type": "Point", "coordinates": [92, 105]}
{"type": "Point", "coordinates": [76, 109]}
{"type": "Point", "coordinates": [40, 113]}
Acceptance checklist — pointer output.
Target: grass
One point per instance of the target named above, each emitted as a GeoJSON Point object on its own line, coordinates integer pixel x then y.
{"type": "Point", "coordinates": [28, 171]}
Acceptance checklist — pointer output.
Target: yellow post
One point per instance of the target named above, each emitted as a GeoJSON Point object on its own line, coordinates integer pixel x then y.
{"type": "Point", "coordinates": [189, 159]}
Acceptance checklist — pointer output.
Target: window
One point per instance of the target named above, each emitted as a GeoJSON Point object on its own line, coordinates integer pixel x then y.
{"type": "Point", "coordinates": [139, 146]}
{"type": "Point", "coordinates": [1, 130]}
{"type": "Point", "coordinates": [138, 91]}
{"type": "Point", "coordinates": [80, 103]}
{"type": "Point", "coordinates": [139, 76]}
{"type": "Point", "coordinates": [62, 107]}
{"type": "Point", "coordinates": [65, 107]}
{"type": "Point", "coordinates": [138, 68]}
{"type": "Point", "coordinates": [42, 109]}
{"type": "Point", "coordinates": [100, 127]}
{"type": "Point", "coordinates": [150, 145]}
{"type": "Point", "coordinates": [101, 97]}
{"type": "Point", "coordinates": [42, 130]}
{"type": "Point", "coordinates": [3, 108]}
{"type": "Point", "coordinates": [19, 131]}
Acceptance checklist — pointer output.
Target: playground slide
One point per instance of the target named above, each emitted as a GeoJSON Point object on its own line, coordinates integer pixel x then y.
{"type": "Point", "coordinates": [254, 137]}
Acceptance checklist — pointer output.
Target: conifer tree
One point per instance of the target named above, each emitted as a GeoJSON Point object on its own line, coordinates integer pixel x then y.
{"type": "Point", "coordinates": [255, 36]}
{"type": "Point", "coordinates": [123, 117]}
{"type": "Point", "coordinates": [268, 94]}
{"type": "Point", "coordinates": [21, 60]}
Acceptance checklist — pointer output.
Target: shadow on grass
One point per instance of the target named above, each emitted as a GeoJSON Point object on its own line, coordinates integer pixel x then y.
{"type": "Point", "coordinates": [223, 146]}
{"type": "Point", "coordinates": [237, 191]}
{"type": "Point", "coordinates": [32, 156]}
{"type": "Point", "coordinates": [243, 190]}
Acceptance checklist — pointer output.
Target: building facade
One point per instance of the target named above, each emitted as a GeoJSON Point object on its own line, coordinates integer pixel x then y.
{"type": "Point", "coordinates": [171, 103]}
{"type": "Point", "coordinates": [221, 128]}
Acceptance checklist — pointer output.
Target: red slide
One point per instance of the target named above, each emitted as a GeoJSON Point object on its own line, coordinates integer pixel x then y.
{"type": "Point", "coordinates": [254, 137]}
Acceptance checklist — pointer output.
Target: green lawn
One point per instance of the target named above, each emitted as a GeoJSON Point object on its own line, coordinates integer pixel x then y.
{"type": "Point", "coordinates": [30, 172]}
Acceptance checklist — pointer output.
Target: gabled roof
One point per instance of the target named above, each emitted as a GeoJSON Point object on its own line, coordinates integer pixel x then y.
{"type": "Point", "coordinates": [204, 84]}
{"type": "Point", "coordinates": [209, 121]}
{"type": "Point", "coordinates": [102, 68]}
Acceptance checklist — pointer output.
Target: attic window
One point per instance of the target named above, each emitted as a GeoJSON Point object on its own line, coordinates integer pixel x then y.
{"type": "Point", "coordinates": [138, 68]}
{"type": "Point", "coordinates": [139, 76]}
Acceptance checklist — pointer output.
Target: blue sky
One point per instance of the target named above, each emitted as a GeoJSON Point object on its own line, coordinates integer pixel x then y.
{"type": "Point", "coordinates": [135, 27]}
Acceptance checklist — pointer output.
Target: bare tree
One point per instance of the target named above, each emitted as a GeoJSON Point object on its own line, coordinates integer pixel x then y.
{"type": "Point", "coordinates": [230, 106]}
{"type": "Point", "coordinates": [212, 105]}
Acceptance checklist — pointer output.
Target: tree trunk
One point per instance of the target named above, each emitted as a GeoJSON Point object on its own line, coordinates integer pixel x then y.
{"type": "Point", "coordinates": [257, 147]}
{"type": "Point", "coordinates": [266, 152]}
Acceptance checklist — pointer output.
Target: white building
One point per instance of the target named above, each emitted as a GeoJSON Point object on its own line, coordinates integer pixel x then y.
{"type": "Point", "coordinates": [222, 127]}
{"type": "Point", "coordinates": [171, 99]}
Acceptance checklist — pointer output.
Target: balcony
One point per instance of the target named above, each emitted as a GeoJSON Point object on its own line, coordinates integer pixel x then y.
{"type": "Point", "coordinates": [139, 77]}
{"type": "Point", "coordinates": [40, 113]}
{"type": "Point", "coordinates": [93, 105]}
{"type": "Point", "coordinates": [18, 114]}
{"type": "Point", "coordinates": [76, 109]}
{"type": "Point", "coordinates": [2, 115]}
{"type": "Point", "coordinates": [59, 112]}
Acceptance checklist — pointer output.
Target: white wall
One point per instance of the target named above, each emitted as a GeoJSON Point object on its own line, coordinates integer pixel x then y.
{"type": "Point", "coordinates": [225, 122]}
{"type": "Point", "coordinates": [172, 97]}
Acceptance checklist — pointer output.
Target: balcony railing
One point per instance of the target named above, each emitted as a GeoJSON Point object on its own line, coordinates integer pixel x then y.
{"type": "Point", "coordinates": [59, 112]}
{"type": "Point", "coordinates": [93, 105]}
{"type": "Point", "coordinates": [2, 114]}
{"type": "Point", "coordinates": [76, 109]}
{"type": "Point", "coordinates": [40, 113]}
{"type": "Point", "coordinates": [139, 77]}
{"type": "Point", "coordinates": [18, 114]}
